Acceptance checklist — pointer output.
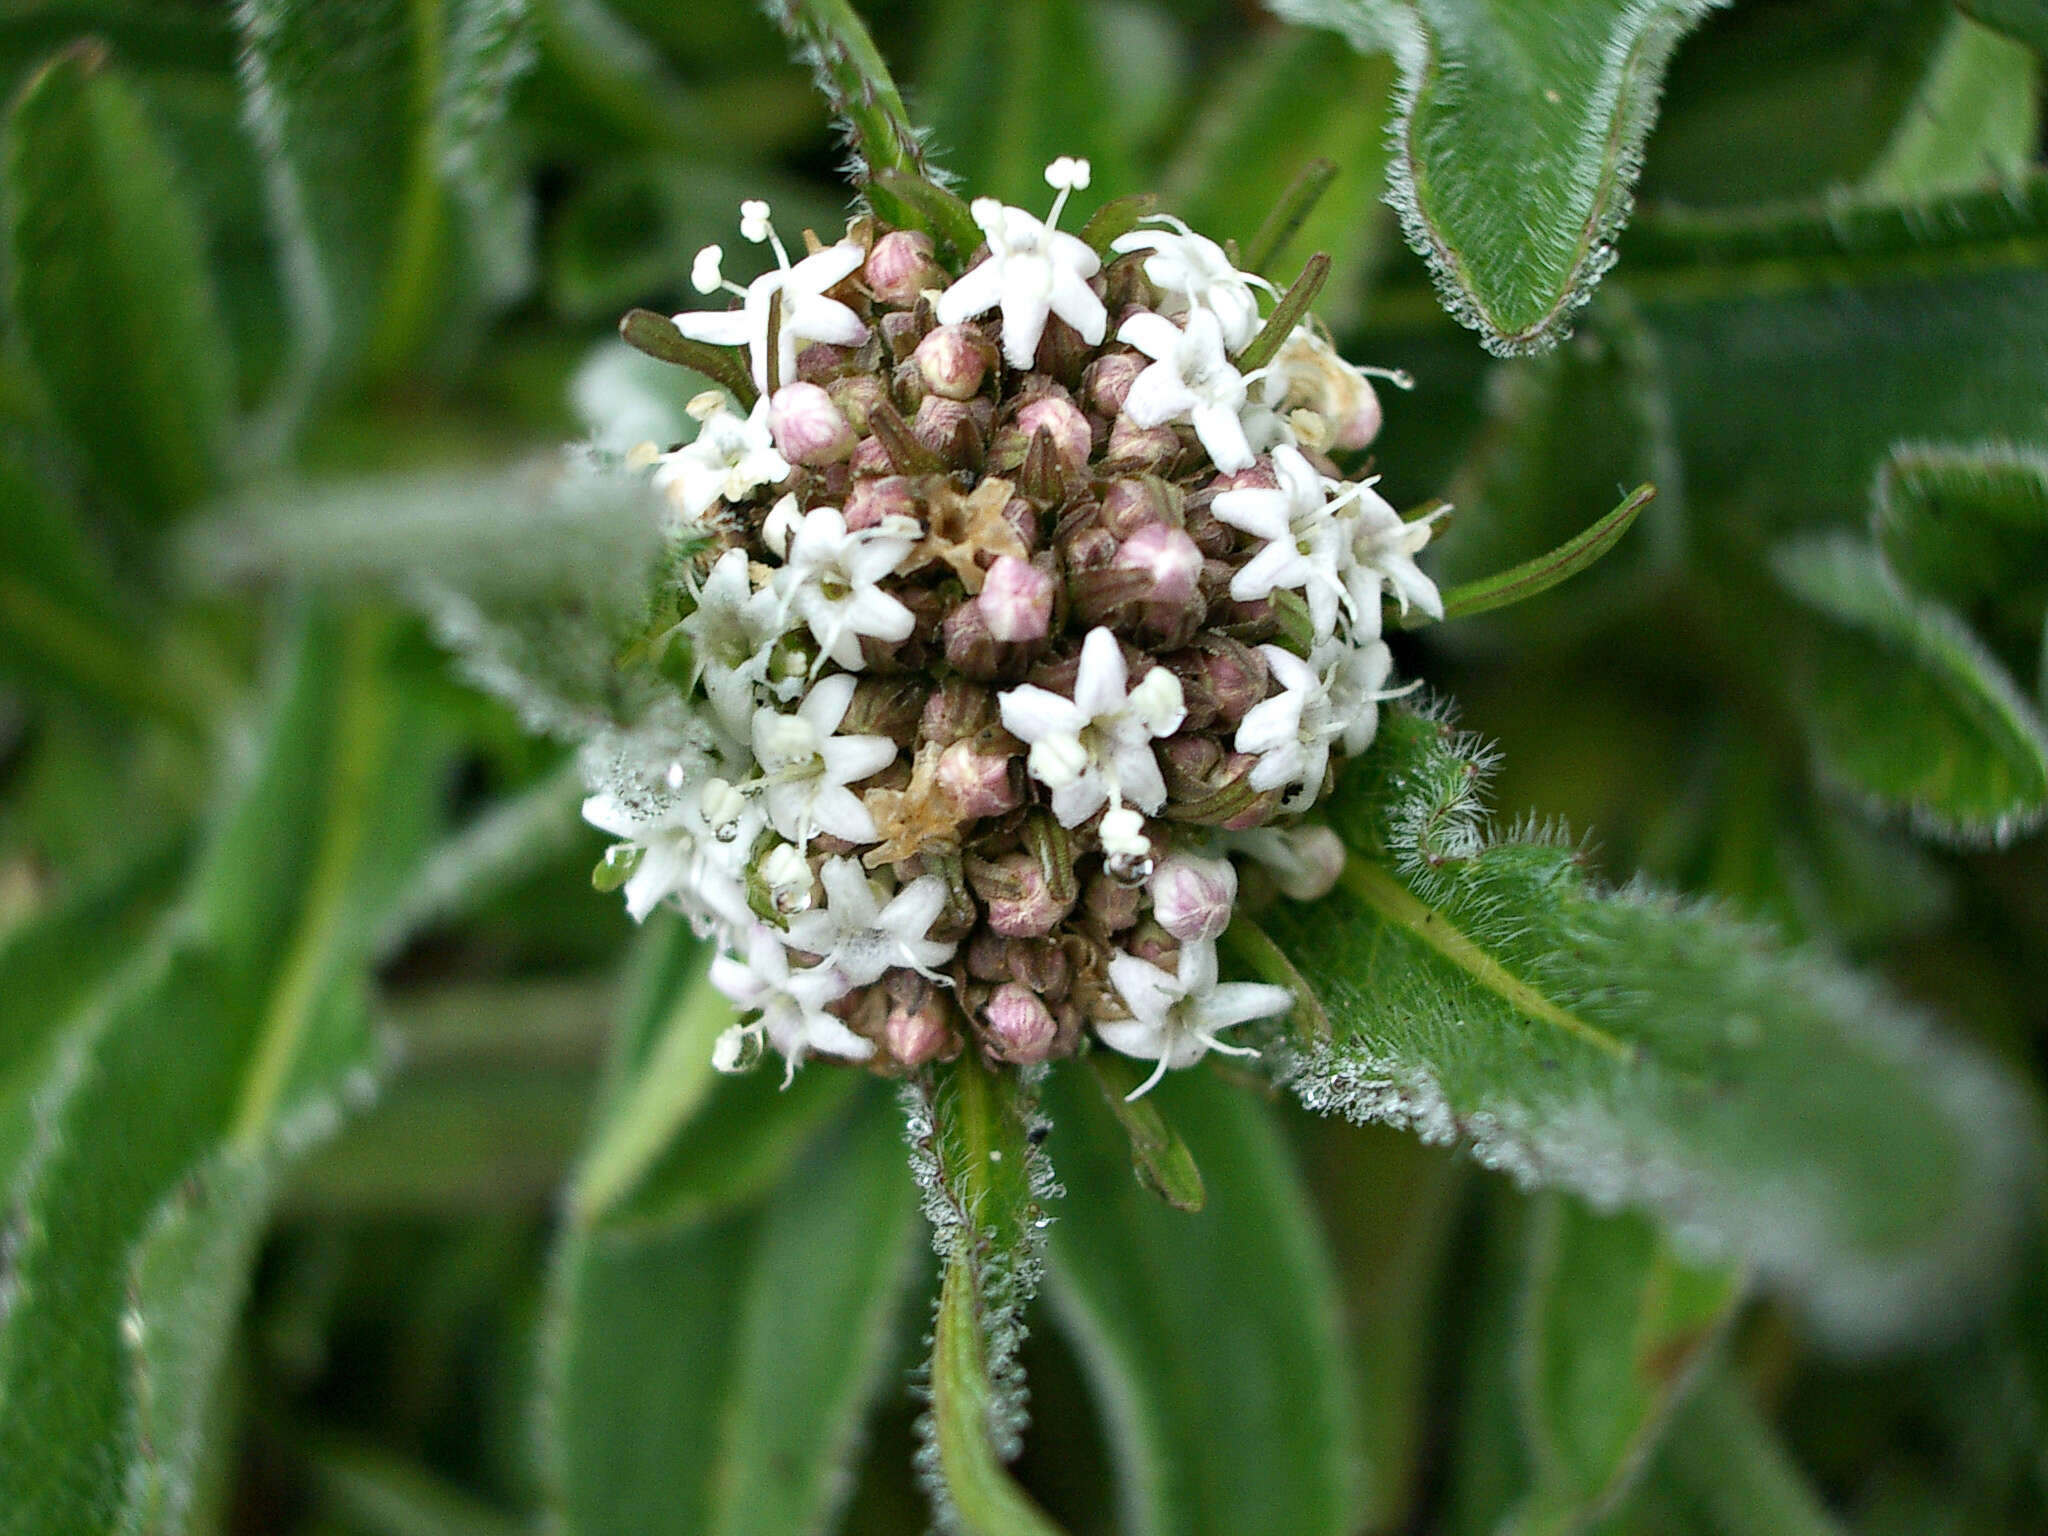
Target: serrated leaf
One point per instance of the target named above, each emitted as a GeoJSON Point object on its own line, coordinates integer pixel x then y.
{"type": "Point", "coordinates": [250, 1016]}
{"type": "Point", "coordinates": [391, 184]}
{"type": "Point", "coordinates": [110, 292]}
{"type": "Point", "coordinates": [711, 1377]}
{"type": "Point", "coordinates": [1613, 1330]}
{"type": "Point", "coordinates": [1967, 524]}
{"type": "Point", "coordinates": [974, 1150]}
{"type": "Point", "coordinates": [1288, 101]}
{"type": "Point", "coordinates": [1213, 1340]}
{"type": "Point", "coordinates": [1905, 706]}
{"type": "Point", "coordinates": [1518, 134]}
{"type": "Point", "coordinates": [1649, 1053]}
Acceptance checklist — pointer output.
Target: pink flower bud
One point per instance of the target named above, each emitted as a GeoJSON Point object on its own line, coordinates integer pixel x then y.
{"type": "Point", "coordinates": [970, 649]}
{"type": "Point", "coordinates": [871, 458]}
{"type": "Point", "coordinates": [1021, 903]}
{"type": "Point", "coordinates": [1021, 1029]}
{"type": "Point", "coordinates": [900, 267]}
{"type": "Point", "coordinates": [1071, 437]}
{"type": "Point", "coordinates": [902, 330]}
{"type": "Point", "coordinates": [1220, 681]}
{"type": "Point", "coordinates": [1152, 943]}
{"type": "Point", "coordinates": [916, 1031]}
{"type": "Point", "coordinates": [1192, 896]}
{"type": "Point", "coordinates": [1016, 600]}
{"type": "Point", "coordinates": [1315, 860]}
{"type": "Point", "coordinates": [1108, 380]}
{"type": "Point", "coordinates": [807, 426]}
{"type": "Point", "coordinates": [1150, 447]}
{"type": "Point", "coordinates": [872, 500]}
{"type": "Point", "coordinates": [978, 783]}
{"type": "Point", "coordinates": [956, 710]}
{"type": "Point", "coordinates": [954, 360]}
{"type": "Point", "coordinates": [952, 429]}
{"type": "Point", "coordinates": [1357, 427]}
{"type": "Point", "coordinates": [1128, 505]}
{"type": "Point", "coordinates": [856, 395]}
{"type": "Point", "coordinates": [819, 362]}
{"type": "Point", "coordinates": [1170, 557]}
{"type": "Point", "coordinates": [1109, 904]}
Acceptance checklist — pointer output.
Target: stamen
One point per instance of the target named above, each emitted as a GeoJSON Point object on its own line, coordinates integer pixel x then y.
{"type": "Point", "coordinates": [1064, 174]}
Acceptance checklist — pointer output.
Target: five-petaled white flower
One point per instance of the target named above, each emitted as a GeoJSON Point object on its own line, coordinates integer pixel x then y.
{"type": "Point", "coordinates": [857, 936]}
{"type": "Point", "coordinates": [1195, 268]}
{"type": "Point", "coordinates": [805, 769]}
{"type": "Point", "coordinates": [1033, 271]}
{"type": "Point", "coordinates": [829, 583]}
{"type": "Point", "coordinates": [1382, 556]}
{"type": "Point", "coordinates": [791, 1006]}
{"type": "Point", "coordinates": [1175, 1017]}
{"type": "Point", "coordinates": [806, 314]}
{"type": "Point", "coordinates": [1095, 749]}
{"type": "Point", "coordinates": [731, 631]}
{"type": "Point", "coordinates": [730, 455]}
{"type": "Point", "coordinates": [1190, 380]}
{"type": "Point", "coordinates": [1335, 693]}
{"type": "Point", "coordinates": [1307, 546]}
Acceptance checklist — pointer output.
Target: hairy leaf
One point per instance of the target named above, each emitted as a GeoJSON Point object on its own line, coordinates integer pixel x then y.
{"type": "Point", "coordinates": [1967, 524]}
{"type": "Point", "coordinates": [1518, 134]}
{"type": "Point", "coordinates": [974, 1150]}
{"type": "Point", "coordinates": [710, 1377]}
{"type": "Point", "coordinates": [1649, 1053]}
{"type": "Point", "coordinates": [1904, 704]}
{"type": "Point", "coordinates": [130, 1229]}
{"type": "Point", "coordinates": [110, 291]}
{"type": "Point", "coordinates": [1205, 1330]}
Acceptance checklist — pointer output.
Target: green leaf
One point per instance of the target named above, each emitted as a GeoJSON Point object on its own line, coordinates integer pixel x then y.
{"type": "Point", "coordinates": [131, 1228]}
{"type": "Point", "coordinates": [1648, 1053]}
{"type": "Point", "coordinates": [1518, 133]}
{"type": "Point", "coordinates": [1214, 1341]}
{"type": "Point", "coordinates": [974, 1138]}
{"type": "Point", "coordinates": [1291, 102]}
{"type": "Point", "coordinates": [2026, 20]}
{"type": "Point", "coordinates": [1735, 1473]}
{"type": "Point", "coordinates": [391, 182]}
{"type": "Point", "coordinates": [1159, 1157]}
{"type": "Point", "coordinates": [110, 292]}
{"type": "Point", "coordinates": [1613, 1330]}
{"type": "Point", "coordinates": [1968, 526]}
{"type": "Point", "coordinates": [710, 1378]}
{"type": "Point", "coordinates": [1972, 121]}
{"type": "Point", "coordinates": [1905, 706]}
{"type": "Point", "coordinates": [657, 336]}
{"type": "Point", "coordinates": [1524, 581]}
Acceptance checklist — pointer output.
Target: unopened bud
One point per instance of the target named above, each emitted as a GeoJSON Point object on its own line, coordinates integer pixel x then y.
{"type": "Point", "coordinates": [1021, 901]}
{"type": "Point", "coordinates": [917, 1028]}
{"type": "Point", "coordinates": [1016, 600]}
{"type": "Point", "coordinates": [1152, 943]}
{"type": "Point", "coordinates": [1131, 504]}
{"type": "Point", "coordinates": [808, 428]}
{"type": "Point", "coordinates": [1108, 381]}
{"type": "Point", "coordinates": [954, 360]}
{"type": "Point", "coordinates": [951, 429]}
{"type": "Point", "coordinates": [1192, 896]}
{"type": "Point", "coordinates": [1142, 447]}
{"type": "Point", "coordinates": [1021, 1029]}
{"type": "Point", "coordinates": [970, 648]}
{"type": "Point", "coordinates": [856, 394]}
{"type": "Point", "coordinates": [1305, 862]}
{"type": "Point", "coordinates": [1109, 904]}
{"type": "Point", "coordinates": [900, 267]}
{"type": "Point", "coordinates": [1221, 680]}
{"type": "Point", "coordinates": [871, 458]}
{"type": "Point", "coordinates": [883, 496]}
{"type": "Point", "coordinates": [902, 330]}
{"type": "Point", "coordinates": [1168, 556]}
{"type": "Point", "coordinates": [1056, 415]}
{"type": "Point", "coordinates": [978, 783]}
{"type": "Point", "coordinates": [957, 709]}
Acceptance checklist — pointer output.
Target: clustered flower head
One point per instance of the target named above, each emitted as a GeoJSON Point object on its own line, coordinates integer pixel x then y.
{"type": "Point", "coordinates": [1017, 608]}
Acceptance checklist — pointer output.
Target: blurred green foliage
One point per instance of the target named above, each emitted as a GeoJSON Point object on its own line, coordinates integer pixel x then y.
{"type": "Point", "coordinates": [364, 1172]}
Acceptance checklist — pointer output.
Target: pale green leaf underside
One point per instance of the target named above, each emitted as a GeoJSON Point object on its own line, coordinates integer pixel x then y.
{"type": "Point", "coordinates": [1213, 1339]}
{"type": "Point", "coordinates": [1650, 1053]}
{"type": "Point", "coordinates": [1905, 706]}
{"type": "Point", "coordinates": [1518, 134]}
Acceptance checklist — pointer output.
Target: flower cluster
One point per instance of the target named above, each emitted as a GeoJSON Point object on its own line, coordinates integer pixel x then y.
{"type": "Point", "coordinates": [1017, 608]}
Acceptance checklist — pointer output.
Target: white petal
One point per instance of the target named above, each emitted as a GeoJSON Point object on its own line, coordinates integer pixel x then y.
{"type": "Point", "coordinates": [978, 292]}
{"type": "Point", "coordinates": [1101, 682]}
{"type": "Point", "coordinates": [1147, 991]}
{"type": "Point", "coordinates": [1221, 433]}
{"type": "Point", "coordinates": [1031, 714]}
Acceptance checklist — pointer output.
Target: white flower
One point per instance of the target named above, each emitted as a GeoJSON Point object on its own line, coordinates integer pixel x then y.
{"type": "Point", "coordinates": [859, 938]}
{"type": "Point", "coordinates": [1307, 374]}
{"type": "Point", "coordinates": [1096, 748]}
{"type": "Point", "coordinates": [683, 851]}
{"type": "Point", "coordinates": [806, 769]}
{"type": "Point", "coordinates": [1307, 546]}
{"type": "Point", "coordinates": [731, 631]}
{"type": "Point", "coordinates": [1334, 693]}
{"type": "Point", "coordinates": [1305, 862]}
{"type": "Point", "coordinates": [1176, 1017]}
{"type": "Point", "coordinates": [807, 315]}
{"type": "Point", "coordinates": [830, 579]}
{"type": "Point", "coordinates": [730, 456]}
{"type": "Point", "coordinates": [1032, 271]}
{"type": "Point", "coordinates": [1382, 555]}
{"type": "Point", "coordinates": [1195, 268]}
{"type": "Point", "coordinates": [791, 1006]}
{"type": "Point", "coordinates": [1190, 379]}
